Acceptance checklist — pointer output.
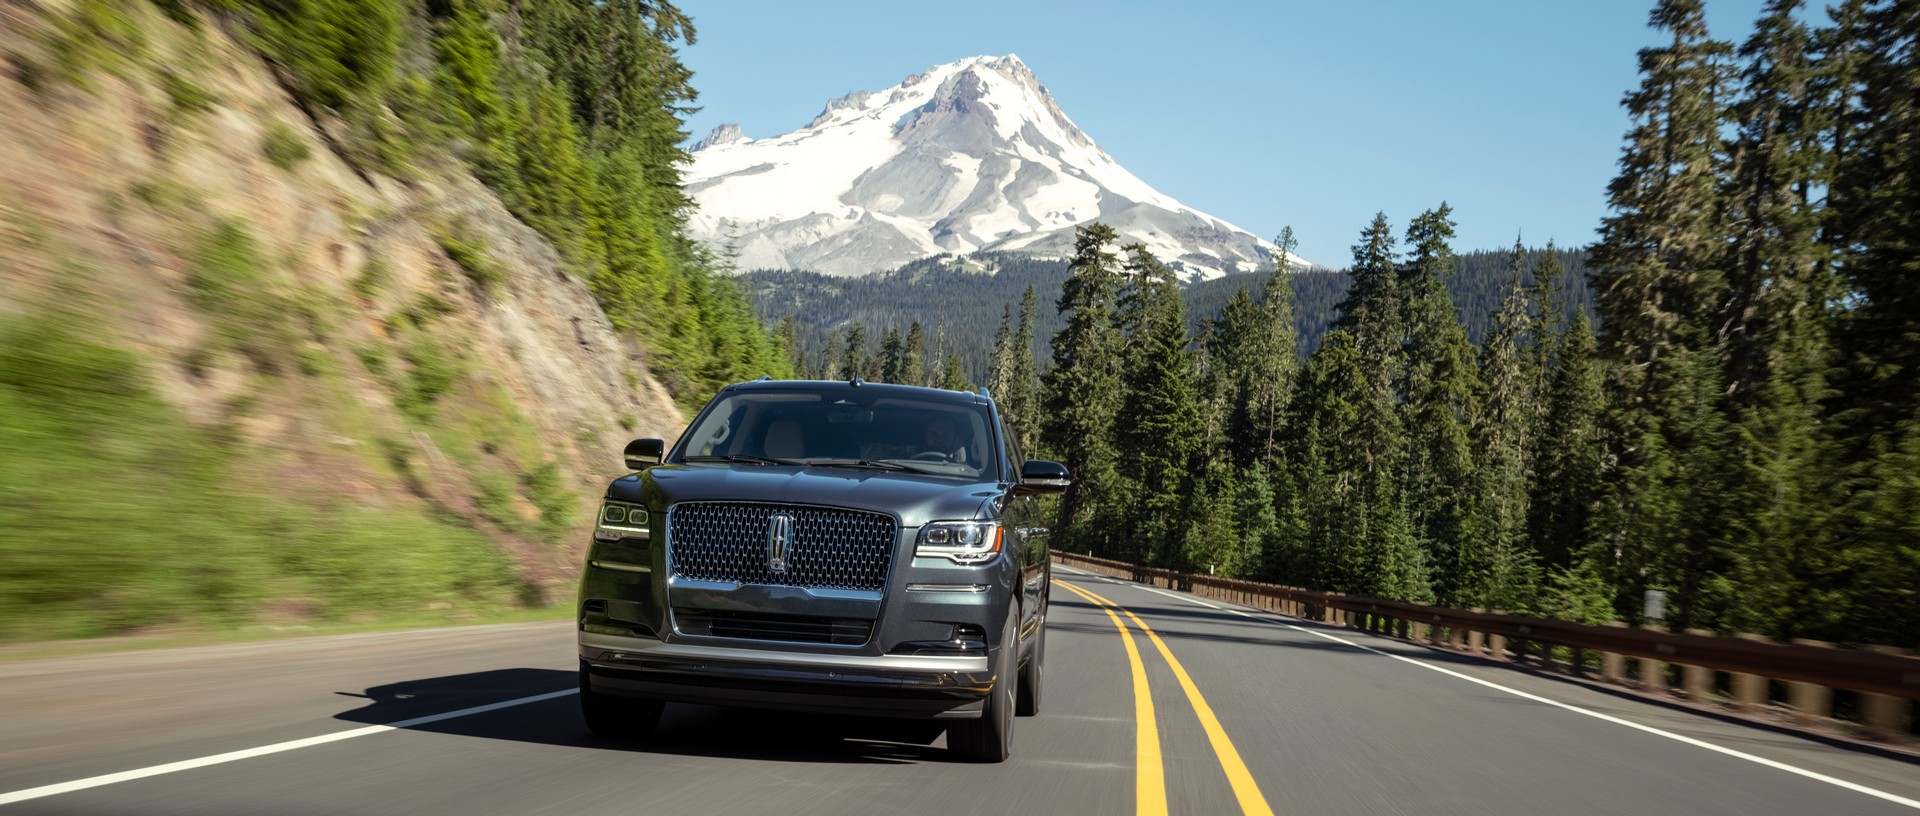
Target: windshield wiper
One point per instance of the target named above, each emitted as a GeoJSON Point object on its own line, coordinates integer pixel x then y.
{"type": "Point", "coordinates": [743, 458]}
{"type": "Point", "coordinates": [854, 463]}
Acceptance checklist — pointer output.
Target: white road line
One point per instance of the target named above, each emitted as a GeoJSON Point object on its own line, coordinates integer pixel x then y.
{"type": "Point", "coordinates": [290, 745]}
{"type": "Point", "coordinates": [1760, 760]}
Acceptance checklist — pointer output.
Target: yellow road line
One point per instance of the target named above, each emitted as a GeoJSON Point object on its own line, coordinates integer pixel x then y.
{"type": "Point", "coordinates": [1150, 781]}
{"type": "Point", "coordinates": [1245, 789]}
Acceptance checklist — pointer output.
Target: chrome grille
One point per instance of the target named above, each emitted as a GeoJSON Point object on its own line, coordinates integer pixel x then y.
{"type": "Point", "coordinates": [828, 549]}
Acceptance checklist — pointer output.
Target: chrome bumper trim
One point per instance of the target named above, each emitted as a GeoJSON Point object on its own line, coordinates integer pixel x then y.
{"type": "Point", "coordinates": [621, 566]}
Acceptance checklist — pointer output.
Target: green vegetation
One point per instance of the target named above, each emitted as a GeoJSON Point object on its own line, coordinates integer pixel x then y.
{"type": "Point", "coordinates": [283, 147]}
{"type": "Point", "coordinates": [470, 254]}
{"type": "Point", "coordinates": [954, 300]}
{"type": "Point", "coordinates": [185, 96]}
{"type": "Point", "coordinates": [124, 518]}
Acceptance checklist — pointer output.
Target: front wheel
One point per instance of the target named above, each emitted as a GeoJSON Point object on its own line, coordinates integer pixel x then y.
{"type": "Point", "coordinates": [990, 738]}
{"type": "Point", "coordinates": [1032, 674]}
{"type": "Point", "coordinates": [616, 717]}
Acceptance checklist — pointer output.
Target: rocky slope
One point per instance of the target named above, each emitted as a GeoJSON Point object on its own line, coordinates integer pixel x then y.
{"type": "Point", "coordinates": [353, 342]}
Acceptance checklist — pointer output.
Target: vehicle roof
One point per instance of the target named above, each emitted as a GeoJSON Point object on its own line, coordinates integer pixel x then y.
{"type": "Point", "coordinates": [864, 387]}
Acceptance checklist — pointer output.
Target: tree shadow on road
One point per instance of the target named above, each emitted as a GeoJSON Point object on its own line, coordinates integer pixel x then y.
{"type": "Point", "coordinates": [685, 730]}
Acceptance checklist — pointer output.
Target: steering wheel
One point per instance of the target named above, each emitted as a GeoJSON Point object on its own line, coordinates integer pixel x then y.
{"type": "Point", "coordinates": [932, 456]}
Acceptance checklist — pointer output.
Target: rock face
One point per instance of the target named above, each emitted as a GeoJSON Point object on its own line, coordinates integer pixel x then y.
{"type": "Point", "coordinates": [968, 156]}
{"type": "Point", "coordinates": [724, 134]}
{"type": "Point", "coordinates": [109, 200]}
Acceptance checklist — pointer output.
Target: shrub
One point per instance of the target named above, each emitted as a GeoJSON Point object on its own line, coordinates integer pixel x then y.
{"type": "Point", "coordinates": [470, 254]}
{"type": "Point", "coordinates": [283, 146]}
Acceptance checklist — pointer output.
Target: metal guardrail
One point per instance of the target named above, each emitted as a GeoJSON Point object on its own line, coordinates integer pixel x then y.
{"type": "Point", "coordinates": [1885, 678]}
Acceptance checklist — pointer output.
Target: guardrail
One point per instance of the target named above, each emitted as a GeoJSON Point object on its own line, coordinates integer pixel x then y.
{"type": "Point", "coordinates": [1884, 680]}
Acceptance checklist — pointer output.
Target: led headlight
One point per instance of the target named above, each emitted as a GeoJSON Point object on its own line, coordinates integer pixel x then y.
{"type": "Point", "coordinates": [620, 520]}
{"type": "Point", "coordinates": [962, 542]}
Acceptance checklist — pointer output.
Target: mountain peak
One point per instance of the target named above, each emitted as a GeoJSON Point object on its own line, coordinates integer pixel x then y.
{"type": "Point", "coordinates": [966, 156]}
{"type": "Point", "coordinates": [725, 134]}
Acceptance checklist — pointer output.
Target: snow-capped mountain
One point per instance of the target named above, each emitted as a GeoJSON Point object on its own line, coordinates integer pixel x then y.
{"type": "Point", "coordinates": [971, 155]}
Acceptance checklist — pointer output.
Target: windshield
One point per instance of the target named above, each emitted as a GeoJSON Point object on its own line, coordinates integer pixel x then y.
{"type": "Point", "coordinates": [839, 429]}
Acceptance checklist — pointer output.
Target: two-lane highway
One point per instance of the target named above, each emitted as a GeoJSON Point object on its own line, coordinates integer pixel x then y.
{"type": "Point", "coordinates": [1155, 702]}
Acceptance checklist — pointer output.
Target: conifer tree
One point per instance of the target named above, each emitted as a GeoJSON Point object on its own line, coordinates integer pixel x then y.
{"type": "Point", "coordinates": [1773, 328]}
{"type": "Point", "coordinates": [854, 361]}
{"type": "Point", "coordinates": [1083, 394]}
{"type": "Point", "coordinates": [1660, 277]}
{"type": "Point", "coordinates": [1876, 225]}
{"type": "Point", "coordinates": [892, 357]}
{"type": "Point", "coordinates": [1438, 395]}
{"type": "Point", "coordinates": [913, 368]}
{"type": "Point", "coordinates": [953, 375]}
{"type": "Point", "coordinates": [1503, 440]}
{"type": "Point", "coordinates": [1024, 385]}
{"type": "Point", "coordinates": [1162, 419]}
{"type": "Point", "coordinates": [1000, 364]}
{"type": "Point", "coordinates": [1567, 454]}
{"type": "Point", "coordinates": [1357, 538]}
{"type": "Point", "coordinates": [1273, 362]}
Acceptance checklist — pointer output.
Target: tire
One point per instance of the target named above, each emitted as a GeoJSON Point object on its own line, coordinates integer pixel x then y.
{"type": "Point", "coordinates": [616, 717]}
{"type": "Point", "coordinates": [990, 738]}
{"type": "Point", "coordinates": [1032, 675]}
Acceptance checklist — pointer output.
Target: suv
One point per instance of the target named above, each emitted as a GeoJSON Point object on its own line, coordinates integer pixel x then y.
{"type": "Point", "coordinates": [842, 547]}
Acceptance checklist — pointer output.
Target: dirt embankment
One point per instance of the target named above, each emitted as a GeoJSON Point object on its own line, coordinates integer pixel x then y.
{"type": "Point", "coordinates": [362, 341]}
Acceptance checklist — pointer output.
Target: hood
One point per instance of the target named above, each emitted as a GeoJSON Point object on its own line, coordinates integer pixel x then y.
{"type": "Point", "coordinates": [915, 498]}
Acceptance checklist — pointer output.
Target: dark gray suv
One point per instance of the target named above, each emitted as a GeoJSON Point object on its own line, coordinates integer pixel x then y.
{"type": "Point", "coordinates": [843, 547]}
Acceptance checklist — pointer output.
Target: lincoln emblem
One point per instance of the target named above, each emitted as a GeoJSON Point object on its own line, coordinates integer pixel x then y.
{"type": "Point", "coordinates": [779, 541]}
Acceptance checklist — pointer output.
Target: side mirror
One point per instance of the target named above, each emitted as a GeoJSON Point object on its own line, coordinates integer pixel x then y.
{"type": "Point", "coordinates": [1041, 476]}
{"type": "Point", "coordinates": [645, 453]}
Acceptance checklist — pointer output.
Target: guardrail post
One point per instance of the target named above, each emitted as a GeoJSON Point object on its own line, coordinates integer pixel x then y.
{"type": "Point", "coordinates": [1476, 641]}
{"type": "Point", "coordinates": [1653, 670]}
{"type": "Point", "coordinates": [1810, 701]}
{"type": "Point", "coordinates": [1697, 681]}
{"type": "Point", "coordinates": [1884, 714]}
{"type": "Point", "coordinates": [1749, 690]}
{"type": "Point", "coordinates": [1613, 665]}
{"type": "Point", "coordinates": [1497, 644]}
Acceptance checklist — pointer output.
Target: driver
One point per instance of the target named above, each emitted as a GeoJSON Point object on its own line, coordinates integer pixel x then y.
{"type": "Point", "coordinates": [942, 438]}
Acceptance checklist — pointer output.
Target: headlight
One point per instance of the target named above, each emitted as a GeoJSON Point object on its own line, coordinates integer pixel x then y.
{"type": "Point", "coordinates": [620, 520]}
{"type": "Point", "coordinates": [962, 542]}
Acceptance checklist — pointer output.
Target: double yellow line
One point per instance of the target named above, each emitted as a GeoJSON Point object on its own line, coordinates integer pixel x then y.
{"type": "Point", "coordinates": [1150, 776]}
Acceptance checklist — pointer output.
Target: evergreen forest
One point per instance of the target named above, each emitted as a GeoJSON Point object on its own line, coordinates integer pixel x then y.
{"type": "Point", "coordinates": [1716, 399]}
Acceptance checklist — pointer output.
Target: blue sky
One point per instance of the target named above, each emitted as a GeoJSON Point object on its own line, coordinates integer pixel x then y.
{"type": "Point", "coordinates": [1265, 114]}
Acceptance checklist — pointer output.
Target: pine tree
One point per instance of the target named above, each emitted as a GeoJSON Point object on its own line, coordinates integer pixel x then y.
{"type": "Point", "coordinates": [1371, 311]}
{"type": "Point", "coordinates": [892, 356]}
{"type": "Point", "coordinates": [1024, 385]}
{"type": "Point", "coordinates": [1659, 278]}
{"type": "Point", "coordinates": [854, 361]}
{"type": "Point", "coordinates": [1567, 454]}
{"type": "Point", "coordinates": [1083, 395]}
{"type": "Point", "coordinates": [1000, 364]}
{"type": "Point", "coordinates": [1163, 422]}
{"type": "Point", "coordinates": [1773, 329]}
{"type": "Point", "coordinates": [1437, 396]}
{"type": "Point", "coordinates": [1876, 225]}
{"type": "Point", "coordinates": [1273, 363]}
{"type": "Point", "coordinates": [953, 375]}
{"type": "Point", "coordinates": [913, 367]}
{"type": "Point", "coordinates": [788, 336]}
{"type": "Point", "coordinates": [1356, 535]}
{"type": "Point", "coordinates": [1503, 440]}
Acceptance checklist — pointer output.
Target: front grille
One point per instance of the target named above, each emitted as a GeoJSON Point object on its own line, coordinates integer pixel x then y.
{"type": "Point", "coordinates": [827, 548]}
{"type": "Point", "coordinates": [787, 628]}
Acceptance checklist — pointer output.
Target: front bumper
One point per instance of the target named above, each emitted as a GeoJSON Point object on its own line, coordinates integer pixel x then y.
{"type": "Point", "coordinates": [938, 686]}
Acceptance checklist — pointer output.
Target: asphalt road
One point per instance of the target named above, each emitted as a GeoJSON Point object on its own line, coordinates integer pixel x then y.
{"type": "Point", "coordinates": [1263, 712]}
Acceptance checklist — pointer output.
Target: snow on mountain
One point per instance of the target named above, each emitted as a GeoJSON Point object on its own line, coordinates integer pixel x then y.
{"type": "Point", "coordinates": [971, 155]}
